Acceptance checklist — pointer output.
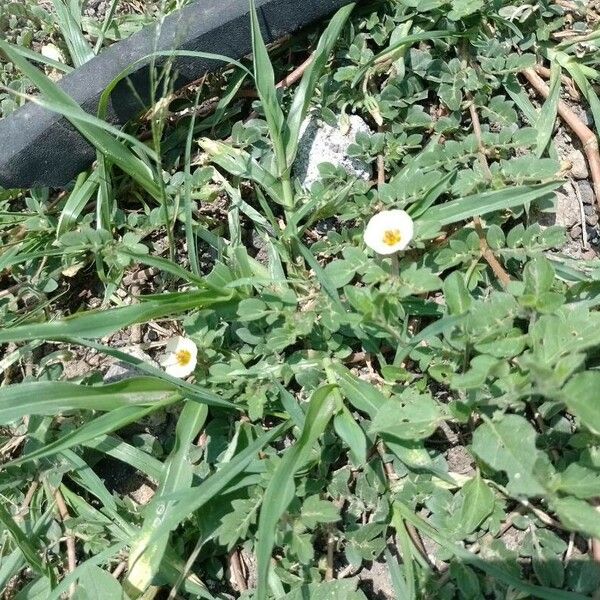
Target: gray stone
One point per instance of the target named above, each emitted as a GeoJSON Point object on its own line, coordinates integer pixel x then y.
{"type": "Point", "coordinates": [592, 219]}
{"type": "Point", "coordinates": [321, 143]}
{"type": "Point", "coordinates": [41, 148]}
{"type": "Point", "coordinates": [579, 169]}
{"type": "Point", "coordinates": [119, 371]}
{"type": "Point", "coordinates": [586, 191]}
{"type": "Point", "coordinates": [575, 232]}
{"type": "Point", "coordinates": [567, 209]}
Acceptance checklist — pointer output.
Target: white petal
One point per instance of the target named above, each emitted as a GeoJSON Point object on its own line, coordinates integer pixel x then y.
{"type": "Point", "coordinates": [169, 359]}
{"type": "Point", "coordinates": [388, 220]}
{"type": "Point", "coordinates": [181, 372]}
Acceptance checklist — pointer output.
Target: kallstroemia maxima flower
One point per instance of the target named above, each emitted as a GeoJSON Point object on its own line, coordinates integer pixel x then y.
{"type": "Point", "coordinates": [180, 357]}
{"type": "Point", "coordinates": [389, 231]}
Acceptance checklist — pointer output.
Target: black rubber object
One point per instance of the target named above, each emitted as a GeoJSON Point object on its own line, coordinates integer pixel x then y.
{"type": "Point", "coordinates": [41, 148]}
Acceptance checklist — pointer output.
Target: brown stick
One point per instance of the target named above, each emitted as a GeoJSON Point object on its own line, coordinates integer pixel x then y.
{"type": "Point", "coordinates": [69, 540]}
{"type": "Point", "coordinates": [237, 571]}
{"type": "Point", "coordinates": [486, 252]}
{"type": "Point", "coordinates": [330, 556]}
{"type": "Point", "coordinates": [24, 508]}
{"type": "Point", "coordinates": [586, 136]}
{"type": "Point", "coordinates": [296, 74]}
{"type": "Point", "coordinates": [567, 81]}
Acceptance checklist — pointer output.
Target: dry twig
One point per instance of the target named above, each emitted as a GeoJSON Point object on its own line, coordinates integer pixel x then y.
{"type": "Point", "coordinates": [587, 137]}
{"type": "Point", "coordinates": [486, 252]}
{"type": "Point", "coordinates": [69, 539]}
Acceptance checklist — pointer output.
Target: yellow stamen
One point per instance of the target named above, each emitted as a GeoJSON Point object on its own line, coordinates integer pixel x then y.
{"type": "Point", "coordinates": [391, 237]}
{"type": "Point", "coordinates": [183, 357]}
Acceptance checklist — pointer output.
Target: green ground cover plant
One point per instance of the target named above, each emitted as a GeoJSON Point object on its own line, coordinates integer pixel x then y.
{"type": "Point", "coordinates": [311, 419]}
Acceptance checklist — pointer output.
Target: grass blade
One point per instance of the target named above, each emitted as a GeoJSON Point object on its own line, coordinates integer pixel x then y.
{"type": "Point", "coordinates": [310, 79]}
{"type": "Point", "coordinates": [98, 323]}
{"type": "Point", "coordinates": [52, 397]}
{"type": "Point", "coordinates": [267, 92]}
{"type": "Point", "coordinates": [280, 491]}
{"type": "Point", "coordinates": [107, 423]}
{"type": "Point", "coordinates": [78, 46]}
{"type": "Point", "coordinates": [482, 204]}
{"type": "Point", "coordinates": [547, 117]}
{"type": "Point", "coordinates": [191, 500]}
{"type": "Point", "coordinates": [144, 560]}
{"type": "Point", "coordinates": [487, 566]}
{"type": "Point", "coordinates": [128, 454]}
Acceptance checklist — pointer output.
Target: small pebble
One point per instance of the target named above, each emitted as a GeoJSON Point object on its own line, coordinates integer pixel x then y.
{"type": "Point", "coordinates": [589, 210]}
{"type": "Point", "coordinates": [586, 191]}
{"type": "Point", "coordinates": [579, 169]}
{"type": "Point", "coordinates": [592, 219]}
{"type": "Point", "coordinates": [575, 232]}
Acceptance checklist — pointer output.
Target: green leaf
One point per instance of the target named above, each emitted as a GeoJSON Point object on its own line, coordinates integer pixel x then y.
{"type": "Point", "coordinates": [69, 25]}
{"type": "Point", "coordinates": [491, 568]}
{"type": "Point", "coordinates": [361, 394]}
{"type": "Point", "coordinates": [25, 544]}
{"type": "Point", "coordinates": [97, 584]}
{"type": "Point", "coordinates": [509, 445]}
{"type": "Point", "coordinates": [577, 515]}
{"type": "Point", "coordinates": [340, 272]}
{"type": "Point", "coordinates": [476, 504]}
{"type": "Point", "coordinates": [144, 559]}
{"type": "Point", "coordinates": [412, 416]}
{"type": "Point", "coordinates": [310, 79]}
{"type": "Point", "coordinates": [107, 423]}
{"type": "Point", "coordinates": [343, 589]}
{"type": "Point", "coordinates": [267, 92]}
{"type": "Point", "coordinates": [580, 394]}
{"type": "Point", "coordinates": [579, 481]}
{"type": "Point", "coordinates": [314, 511]}
{"type": "Point", "coordinates": [549, 111]}
{"type": "Point", "coordinates": [94, 130]}
{"type": "Point", "coordinates": [352, 435]}
{"type": "Point", "coordinates": [538, 276]}
{"type": "Point", "coordinates": [99, 323]}
{"type": "Point", "coordinates": [457, 296]}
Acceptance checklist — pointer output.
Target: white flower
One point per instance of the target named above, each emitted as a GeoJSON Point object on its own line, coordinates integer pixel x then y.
{"type": "Point", "coordinates": [389, 231]}
{"type": "Point", "coordinates": [180, 357]}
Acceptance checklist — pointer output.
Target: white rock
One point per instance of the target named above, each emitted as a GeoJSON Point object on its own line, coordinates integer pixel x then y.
{"type": "Point", "coordinates": [321, 143]}
{"type": "Point", "coordinates": [119, 371]}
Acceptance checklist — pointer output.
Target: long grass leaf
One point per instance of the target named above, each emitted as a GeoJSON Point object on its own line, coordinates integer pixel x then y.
{"type": "Point", "coordinates": [52, 397]}
{"type": "Point", "coordinates": [192, 390]}
{"type": "Point", "coordinates": [280, 490]}
{"type": "Point", "coordinates": [102, 425]}
{"type": "Point", "coordinates": [482, 204]}
{"type": "Point", "coordinates": [23, 541]}
{"type": "Point", "coordinates": [191, 500]}
{"type": "Point", "coordinates": [98, 323]}
{"type": "Point", "coordinates": [310, 79]}
{"type": "Point", "coordinates": [84, 188]}
{"type": "Point", "coordinates": [547, 117]}
{"type": "Point", "coordinates": [267, 92]}
{"type": "Point", "coordinates": [93, 129]}
{"type": "Point", "coordinates": [78, 46]}
{"type": "Point", "coordinates": [128, 454]}
{"type": "Point", "coordinates": [144, 560]}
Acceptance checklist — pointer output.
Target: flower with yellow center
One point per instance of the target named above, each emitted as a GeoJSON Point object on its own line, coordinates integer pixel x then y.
{"type": "Point", "coordinates": [389, 231]}
{"type": "Point", "coordinates": [180, 357]}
